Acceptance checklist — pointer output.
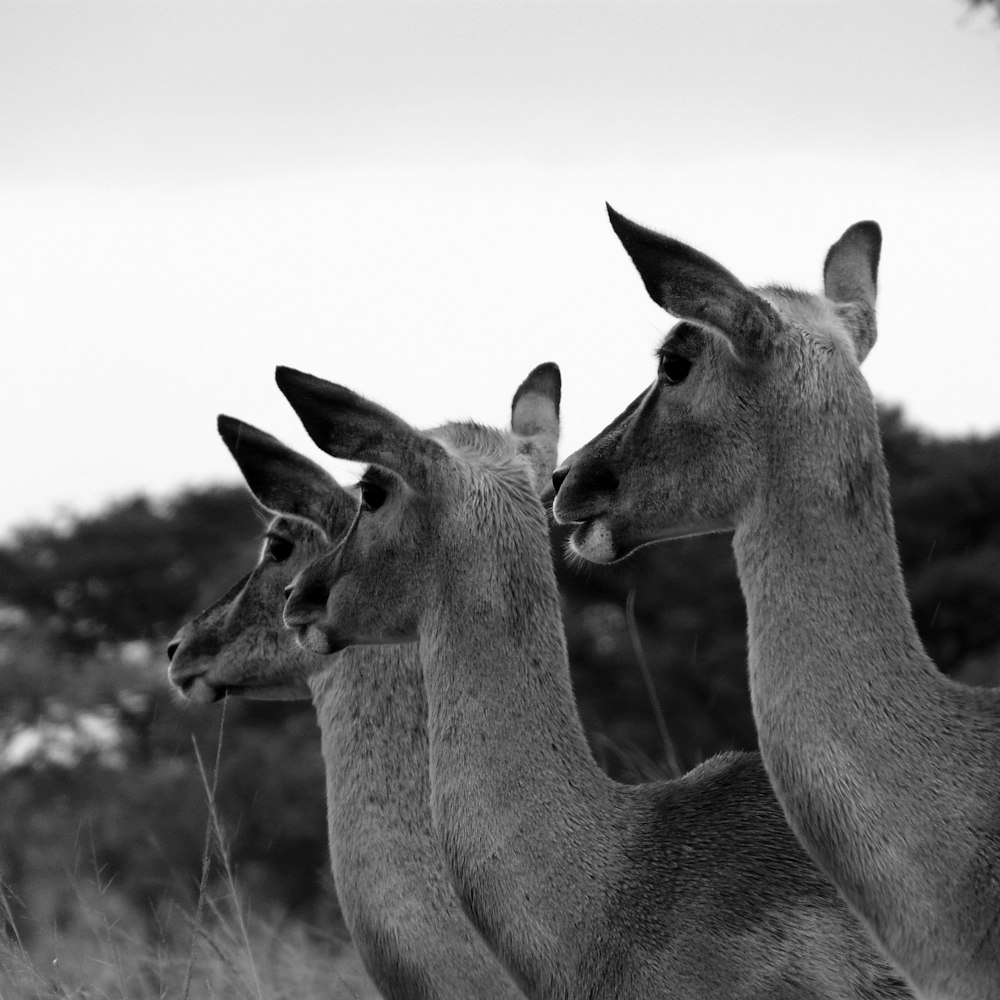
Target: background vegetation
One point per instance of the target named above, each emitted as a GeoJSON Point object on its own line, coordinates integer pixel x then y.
{"type": "Point", "coordinates": [104, 818]}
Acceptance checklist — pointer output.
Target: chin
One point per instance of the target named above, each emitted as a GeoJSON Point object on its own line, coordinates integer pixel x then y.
{"type": "Point", "coordinates": [315, 640]}
{"type": "Point", "coordinates": [200, 692]}
{"type": "Point", "coordinates": [594, 542]}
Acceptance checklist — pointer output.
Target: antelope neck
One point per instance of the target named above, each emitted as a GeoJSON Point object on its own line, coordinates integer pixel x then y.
{"type": "Point", "coordinates": [390, 874]}
{"type": "Point", "coordinates": [519, 804]}
{"type": "Point", "coordinates": [837, 674]}
{"type": "Point", "coordinates": [825, 596]}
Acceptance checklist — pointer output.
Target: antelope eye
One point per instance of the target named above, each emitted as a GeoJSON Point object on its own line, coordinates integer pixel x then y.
{"type": "Point", "coordinates": [278, 549]}
{"type": "Point", "coordinates": [372, 496]}
{"type": "Point", "coordinates": [674, 368]}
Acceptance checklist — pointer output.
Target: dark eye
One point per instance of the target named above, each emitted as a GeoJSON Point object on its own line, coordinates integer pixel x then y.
{"type": "Point", "coordinates": [372, 496]}
{"type": "Point", "coordinates": [278, 549]}
{"type": "Point", "coordinates": [674, 368]}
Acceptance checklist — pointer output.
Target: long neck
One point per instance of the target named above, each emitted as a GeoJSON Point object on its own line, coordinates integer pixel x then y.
{"type": "Point", "coordinates": [520, 805]}
{"type": "Point", "coordinates": [843, 692]}
{"type": "Point", "coordinates": [391, 879]}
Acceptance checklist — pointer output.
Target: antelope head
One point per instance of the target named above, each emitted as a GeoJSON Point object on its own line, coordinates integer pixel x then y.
{"type": "Point", "coordinates": [422, 499]}
{"type": "Point", "coordinates": [239, 645]}
{"type": "Point", "coordinates": [745, 374]}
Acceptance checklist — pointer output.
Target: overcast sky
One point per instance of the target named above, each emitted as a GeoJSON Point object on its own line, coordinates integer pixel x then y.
{"type": "Point", "coordinates": [409, 198]}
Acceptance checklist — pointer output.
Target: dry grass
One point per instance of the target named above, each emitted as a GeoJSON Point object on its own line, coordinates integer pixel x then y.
{"type": "Point", "coordinates": [104, 950]}
{"type": "Point", "coordinates": [234, 960]}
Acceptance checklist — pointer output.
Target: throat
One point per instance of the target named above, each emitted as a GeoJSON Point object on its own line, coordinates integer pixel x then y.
{"type": "Point", "coordinates": [512, 778]}
{"type": "Point", "coordinates": [826, 601]}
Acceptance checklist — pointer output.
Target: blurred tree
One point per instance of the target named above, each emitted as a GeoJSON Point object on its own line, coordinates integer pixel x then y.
{"type": "Point", "coordinates": [139, 818]}
{"type": "Point", "coordinates": [133, 570]}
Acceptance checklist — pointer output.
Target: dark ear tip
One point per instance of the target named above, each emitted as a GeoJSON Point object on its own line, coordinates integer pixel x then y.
{"type": "Point", "coordinates": [867, 232]}
{"type": "Point", "coordinates": [304, 385]}
{"type": "Point", "coordinates": [866, 236]}
{"type": "Point", "coordinates": [229, 429]}
{"type": "Point", "coordinates": [286, 377]}
{"type": "Point", "coordinates": [545, 379]}
{"type": "Point", "coordinates": [618, 221]}
{"type": "Point", "coordinates": [870, 231]}
{"type": "Point", "coordinates": [238, 433]}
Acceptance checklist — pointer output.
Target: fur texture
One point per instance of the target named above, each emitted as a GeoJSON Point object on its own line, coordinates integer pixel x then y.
{"type": "Point", "coordinates": [393, 886]}
{"type": "Point", "coordinates": [585, 888]}
{"type": "Point", "coordinates": [886, 769]}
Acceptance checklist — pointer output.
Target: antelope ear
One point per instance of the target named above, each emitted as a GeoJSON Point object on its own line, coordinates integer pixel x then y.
{"type": "Point", "coordinates": [850, 278]}
{"type": "Point", "coordinates": [693, 287]}
{"type": "Point", "coordinates": [534, 419]}
{"type": "Point", "coordinates": [346, 425]}
{"type": "Point", "coordinates": [286, 482]}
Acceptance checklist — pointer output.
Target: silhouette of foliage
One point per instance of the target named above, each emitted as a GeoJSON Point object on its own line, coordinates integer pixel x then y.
{"type": "Point", "coordinates": [132, 571]}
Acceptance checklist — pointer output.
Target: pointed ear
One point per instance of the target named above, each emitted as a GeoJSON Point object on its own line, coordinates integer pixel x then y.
{"type": "Point", "coordinates": [691, 286]}
{"type": "Point", "coordinates": [534, 419]}
{"type": "Point", "coordinates": [850, 278]}
{"type": "Point", "coordinates": [349, 426]}
{"type": "Point", "coordinates": [286, 482]}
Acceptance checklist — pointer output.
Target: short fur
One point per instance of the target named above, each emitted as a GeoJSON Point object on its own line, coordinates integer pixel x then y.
{"type": "Point", "coordinates": [584, 887]}
{"type": "Point", "coordinates": [887, 770]}
{"type": "Point", "coordinates": [394, 890]}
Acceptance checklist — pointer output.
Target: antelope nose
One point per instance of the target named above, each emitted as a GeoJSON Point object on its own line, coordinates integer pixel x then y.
{"type": "Point", "coordinates": [172, 647]}
{"type": "Point", "coordinates": [559, 476]}
{"type": "Point", "coordinates": [308, 594]}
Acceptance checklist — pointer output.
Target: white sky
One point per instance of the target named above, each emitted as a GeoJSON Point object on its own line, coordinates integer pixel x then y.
{"type": "Point", "coordinates": [409, 198]}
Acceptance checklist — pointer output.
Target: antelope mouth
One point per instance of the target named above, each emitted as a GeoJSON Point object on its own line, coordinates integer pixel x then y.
{"type": "Point", "coordinates": [596, 541]}
{"type": "Point", "coordinates": [198, 690]}
{"type": "Point", "coordinates": [316, 640]}
{"type": "Point", "coordinates": [593, 540]}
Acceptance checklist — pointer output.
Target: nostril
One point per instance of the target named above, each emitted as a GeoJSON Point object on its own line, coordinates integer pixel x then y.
{"type": "Point", "coordinates": [559, 476]}
{"type": "Point", "coordinates": [172, 648]}
{"type": "Point", "coordinates": [308, 594]}
{"type": "Point", "coordinates": [602, 479]}
{"type": "Point", "coordinates": [314, 594]}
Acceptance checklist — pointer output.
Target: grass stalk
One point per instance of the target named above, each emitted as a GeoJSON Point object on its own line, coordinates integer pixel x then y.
{"type": "Point", "coordinates": [670, 755]}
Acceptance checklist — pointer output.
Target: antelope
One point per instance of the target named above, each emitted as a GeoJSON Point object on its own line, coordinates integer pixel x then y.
{"type": "Point", "coordinates": [394, 889]}
{"type": "Point", "coordinates": [693, 888]}
{"type": "Point", "coordinates": [759, 420]}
